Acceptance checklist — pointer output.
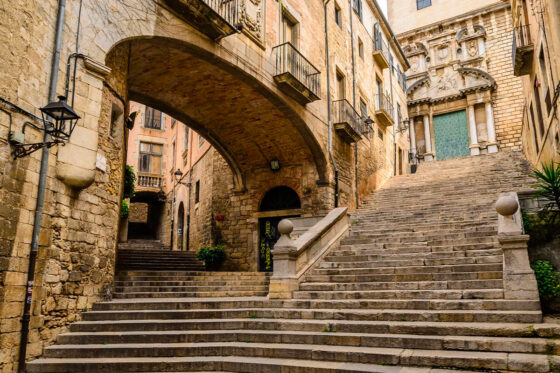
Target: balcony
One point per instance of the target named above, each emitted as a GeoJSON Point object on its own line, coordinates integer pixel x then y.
{"type": "Point", "coordinates": [347, 122]}
{"type": "Point", "coordinates": [384, 110]}
{"type": "Point", "coordinates": [381, 53]}
{"type": "Point", "coordinates": [523, 50]}
{"type": "Point", "coordinates": [295, 75]}
{"type": "Point", "coordinates": [146, 180]}
{"type": "Point", "coordinates": [214, 18]}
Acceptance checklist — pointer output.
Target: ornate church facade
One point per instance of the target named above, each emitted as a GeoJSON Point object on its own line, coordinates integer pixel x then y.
{"type": "Point", "coordinates": [463, 98]}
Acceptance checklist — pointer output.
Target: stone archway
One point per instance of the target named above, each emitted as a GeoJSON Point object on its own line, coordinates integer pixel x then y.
{"type": "Point", "coordinates": [248, 124]}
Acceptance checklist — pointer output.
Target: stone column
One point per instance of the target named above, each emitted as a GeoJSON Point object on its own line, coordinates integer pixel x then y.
{"type": "Point", "coordinates": [475, 150]}
{"type": "Point", "coordinates": [412, 134]}
{"type": "Point", "coordinates": [519, 279]}
{"type": "Point", "coordinates": [284, 279]}
{"type": "Point", "coordinates": [492, 146]}
{"type": "Point", "coordinates": [429, 155]}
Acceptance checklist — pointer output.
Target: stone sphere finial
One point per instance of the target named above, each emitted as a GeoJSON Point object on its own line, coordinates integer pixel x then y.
{"type": "Point", "coordinates": [507, 206]}
{"type": "Point", "coordinates": [285, 227]}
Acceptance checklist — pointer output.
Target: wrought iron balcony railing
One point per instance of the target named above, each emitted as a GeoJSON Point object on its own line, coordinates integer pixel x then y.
{"type": "Point", "coordinates": [295, 74]}
{"type": "Point", "coordinates": [347, 122]}
{"type": "Point", "coordinates": [214, 18]}
{"type": "Point", "coordinates": [149, 180]}
{"type": "Point", "coordinates": [522, 50]}
{"type": "Point", "coordinates": [384, 110]}
{"type": "Point", "coordinates": [381, 52]}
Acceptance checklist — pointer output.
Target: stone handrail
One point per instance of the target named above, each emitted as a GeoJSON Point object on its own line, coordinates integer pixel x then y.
{"type": "Point", "coordinates": [293, 258]}
{"type": "Point", "coordinates": [519, 279]}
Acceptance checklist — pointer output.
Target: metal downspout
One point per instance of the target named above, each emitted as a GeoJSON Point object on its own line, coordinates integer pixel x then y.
{"type": "Point", "coordinates": [329, 104]}
{"type": "Point", "coordinates": [354, 99]}
{"type": "Point", "coordinates": [40, 192]}
{"type": "Point", "coordinates": [393, 104]}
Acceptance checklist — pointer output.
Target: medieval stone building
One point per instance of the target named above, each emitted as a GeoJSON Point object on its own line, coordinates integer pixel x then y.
{"type": "Point", "coordinates": [463, 98]}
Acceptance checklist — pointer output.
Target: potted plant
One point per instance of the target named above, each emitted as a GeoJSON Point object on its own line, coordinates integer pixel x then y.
{"type": "Point", "coordinates": [213, 257]}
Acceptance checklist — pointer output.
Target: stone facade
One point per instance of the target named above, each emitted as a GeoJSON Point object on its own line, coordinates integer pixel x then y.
{"type": "Point", "coordinates": [462, 65]}
{"type": "Point", "coordinates": [228, 94]}
{"type": "Point", "coordinates": [537, 33]}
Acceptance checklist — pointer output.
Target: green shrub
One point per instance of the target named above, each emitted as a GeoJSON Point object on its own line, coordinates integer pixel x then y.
{"type": "Point", "coordinates": [548, 188]}
{"type": "Point", "coordinates": [548, 279]}
{"type": "Point", "coordinates": [129, 181]}
{"type": "Point", "coordinates": [212, 256]}
{"type": "Point", "coordinates": [125, 210]}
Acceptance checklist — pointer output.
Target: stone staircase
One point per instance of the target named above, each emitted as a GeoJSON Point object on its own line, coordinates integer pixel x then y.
{"type": "Point", "coordinates": [152, 255]}
{"type": "Point", "coordinates": [415, 288]}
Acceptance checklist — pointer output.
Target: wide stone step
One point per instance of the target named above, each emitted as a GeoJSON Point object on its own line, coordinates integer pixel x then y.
{"type": "Point", "coordinates": [378, 314]}
{"type": "Point", "coordinates": [374, 261]}
{"type": "Point", "coordinates": [186, 289]}
{"type": "Point", "coordinates": [329, 336]}
{"type": "Point", "coordinates": [214, 364]}
{"type": "Point", "coordinates": [408, 270]}
{"type": "Point", "coordinates": [406, 277]}
{"type": "Point", "coordinates": [350, 354]}
{"type": "Point", "coordinates": [402, 294]}
{"type": "Point", "coordinates": [424, 253]}
{"type": "Point", "coordinates": [188, 294]}
{"type": "Point", "coordinates": [417, 285]}
{"type": "Point", "coordinates": [256, 282]}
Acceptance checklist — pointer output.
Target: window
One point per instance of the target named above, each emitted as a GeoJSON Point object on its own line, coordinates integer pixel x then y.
{"type": "Point", "coordinates": [379, 86]}
{"type": "Point", "coordinates": [337, 15]}
{"type": "Point", "coordinates": [152, 119]}
{"type": "Point", "coordinates": [173, 156]}
{"type": "Point", "coordinates": [150, 158]}
{"type": "Point", "coordinates": [201, 141]}
{"type": "Point", "coordinates": [340, 95]}
{"type": "Point", "coordinates": [363, 109]}
{"type": "Point", "coordinates": [399, 115]}
{"type": "Point", "coordinates": [380, 134]}
{"type": "Point", "coordinates": [197, 192]}
{"type": "Point", "coordinates": [186, 139]}
{"type": "Point", "coordinates": [545, 84]}
{"type": "Point", "coordinates": [360, 48]}
{"type": "Point", "coordinates": [173, 121]}
{"type": "Point", "coordinates": [534, 127]}
{"type": "Point", "coordinates": [289, 30]}
{"type": "Point", "coordinates": [537, 94]}
{"type": "Point", "coordinates": [358, 8]}
{"type": "Point", "coordinates": [421, 4]}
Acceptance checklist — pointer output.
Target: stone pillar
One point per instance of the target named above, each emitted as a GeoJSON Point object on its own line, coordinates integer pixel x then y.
{"type": "Point", "coordinates": [492, 146]}
{"type": "Point", "coordinates": [429, 155]}
{"type": "Point", "coordinates": [412, 134]}
{"type": "Point", "coordinates": [519, 278]}
{"type": "Point", "coordinates": [284, 279]}
{"type": "Point", "coordinates": [475, 150]}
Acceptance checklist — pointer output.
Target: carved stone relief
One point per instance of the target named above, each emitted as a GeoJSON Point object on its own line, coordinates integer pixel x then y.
{"type": "Point", "coordinates": [251, 16]}
{"type": "Point", "coordinates": [472, 48]}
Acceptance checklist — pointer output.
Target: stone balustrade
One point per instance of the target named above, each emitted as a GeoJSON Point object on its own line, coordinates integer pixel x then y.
{"type": "Point", "coordinates": [519, 278]}
{"type": "Point", "coordinates": [293, 258]}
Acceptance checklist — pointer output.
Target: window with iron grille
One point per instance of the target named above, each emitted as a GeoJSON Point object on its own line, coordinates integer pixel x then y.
{"type": "Point", "coordinates": [197, 192]}
{"type": "Point", "coordinates": [152, 119]}
{"type": "Point", "coordinates": [363, 109]}
{"type": "Point", "coordinates": [150, 158]}
{"type": "Point", "coordinates": [421, 4]}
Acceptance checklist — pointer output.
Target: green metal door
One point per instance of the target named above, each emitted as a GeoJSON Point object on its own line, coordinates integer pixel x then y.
{"type": "Point", "coordinates": [451, 135]}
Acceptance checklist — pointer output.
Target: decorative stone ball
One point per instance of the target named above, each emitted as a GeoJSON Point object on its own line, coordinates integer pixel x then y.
{"type": "Point", "coordinates": [285, 226]}
{"type": "Point", "coordinates": [507, 205]}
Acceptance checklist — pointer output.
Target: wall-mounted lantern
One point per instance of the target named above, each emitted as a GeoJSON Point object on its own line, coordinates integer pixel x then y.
{"type": "Point", "coordinates": [178, 175]}
{"type": "Point", "coordinates": [403, 126]}
{"type": "Point", "coordinates": [59, 121]}
{"type": "Point", "coordinates": [275, 165]}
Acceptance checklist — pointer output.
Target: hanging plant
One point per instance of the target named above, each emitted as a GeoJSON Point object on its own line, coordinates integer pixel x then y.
{"type": "Point", "coordinates": [129, 181]}
{"type": "Point", "coordinates": [125, 210]}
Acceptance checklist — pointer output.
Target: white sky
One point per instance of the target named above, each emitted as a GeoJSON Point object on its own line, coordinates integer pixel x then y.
{"type": "Point", "coordinates": [383, 5]}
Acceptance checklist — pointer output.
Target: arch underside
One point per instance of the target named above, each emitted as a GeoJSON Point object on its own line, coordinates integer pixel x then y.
{"type": "Point", "coordinates": [246, 123]}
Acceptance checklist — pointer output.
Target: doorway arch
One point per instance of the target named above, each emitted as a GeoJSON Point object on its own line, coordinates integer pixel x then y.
{"type": "Point", "coordinates": [180, 227]}
{"type": "Point", "coordinates": [280, 202]}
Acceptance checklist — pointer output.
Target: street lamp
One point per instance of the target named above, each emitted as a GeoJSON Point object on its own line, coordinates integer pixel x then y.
{"type": "Point", "coordinates": [404, 125]}
{"type": "Point", "coordinates": [369, 123]}
{"type": "Point", "coordinates": [65, 119]}
{"type": "Point", "coordinates": [178, 175]}
{"type": "Point", "coordinates": [59, 121]}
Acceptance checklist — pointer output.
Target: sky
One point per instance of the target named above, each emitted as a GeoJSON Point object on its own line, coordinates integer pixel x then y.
{"type": "Point", "coordinates": [383, 5]}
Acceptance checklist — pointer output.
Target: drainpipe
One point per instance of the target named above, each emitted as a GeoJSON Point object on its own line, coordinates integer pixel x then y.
{"type": "Point", "coordinates": [189, 183]}
{"type": "Point", "coordinates": [329, 104]}
{"type": "Point", "coordinates": [354, 97]}
{"type": "Point", "coordinates": [40, 193]}
{"type": "Point", "coordinates": [393, 104]}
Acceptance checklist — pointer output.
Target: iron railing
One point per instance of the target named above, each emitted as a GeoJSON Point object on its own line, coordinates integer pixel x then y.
{"type": "Point", "coordinates": [380, 46]}
{"type": "Point", "coordinates": [290, 60]}
{"type": "Point", "coordinates": [343, 112]}
{"type": "Point", "coordinates": [384, 103]}
{"type": "Point", "coordinates": [227, 9]}
{"type": "Point", "coordinates": [149, 180]}
{"type": "Point", "coordinates": [522, 36]}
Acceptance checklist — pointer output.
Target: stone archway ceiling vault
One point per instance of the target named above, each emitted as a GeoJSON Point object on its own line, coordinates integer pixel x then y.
{"type": "Point", "coordinates": [247, 124]}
